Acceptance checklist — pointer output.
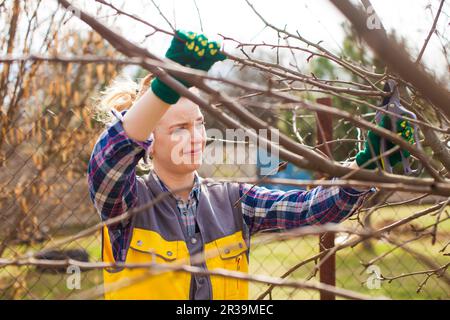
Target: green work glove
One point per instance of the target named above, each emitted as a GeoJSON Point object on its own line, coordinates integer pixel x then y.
{"type": "Point", "coordinates": [190, 50]}
{"type": "Point", "coordinates": [404, 130]}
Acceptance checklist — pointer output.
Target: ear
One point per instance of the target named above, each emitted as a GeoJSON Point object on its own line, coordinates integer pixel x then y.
{"type": "Point", "coordinates": [151, 148]}
{"type": "Point", "coordinates": [150, 152]}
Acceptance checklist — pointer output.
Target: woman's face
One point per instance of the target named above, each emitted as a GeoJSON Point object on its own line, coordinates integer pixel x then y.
{"type": "Point", "coordinates": [180, 138]}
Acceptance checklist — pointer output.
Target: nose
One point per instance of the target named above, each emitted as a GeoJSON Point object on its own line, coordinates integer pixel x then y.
{"type": "Point", "coordinates": [198, 134]}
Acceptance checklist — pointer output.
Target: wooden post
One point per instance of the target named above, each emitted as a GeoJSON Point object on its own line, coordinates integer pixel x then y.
{"type": "Point", "coordinates": [326, 240]}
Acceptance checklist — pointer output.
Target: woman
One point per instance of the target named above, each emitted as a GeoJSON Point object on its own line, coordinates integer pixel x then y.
{"type": "Point", "coordinates": [196, 218]}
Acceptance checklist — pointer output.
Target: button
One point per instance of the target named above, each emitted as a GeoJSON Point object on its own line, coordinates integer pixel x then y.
{"type": "Point", "coordinates": [227, 251]}
{"type": "Point", "coordinates": [169, 253]}
{"type": "Point", "coordinates": [201, 280]}
{"type": "Point", "coordinates": [139, 243]}
{"type": "Point", "coordinates": [240, 245]}
{"type": "Point", "coordinates": [193, 240]}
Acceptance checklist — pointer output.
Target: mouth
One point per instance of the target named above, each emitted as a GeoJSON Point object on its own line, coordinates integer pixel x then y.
{"type": "Point", "coordinates": [193, 152]}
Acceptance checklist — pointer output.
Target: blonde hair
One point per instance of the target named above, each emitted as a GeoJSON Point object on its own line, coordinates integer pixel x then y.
{"type": "Point", "coordinates": [121, 95]}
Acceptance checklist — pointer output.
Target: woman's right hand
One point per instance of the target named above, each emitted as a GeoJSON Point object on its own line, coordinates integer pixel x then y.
{"type": "Point", "coordinates": [191, 50]}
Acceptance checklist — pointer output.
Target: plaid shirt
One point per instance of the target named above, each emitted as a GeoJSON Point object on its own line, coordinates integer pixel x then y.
{"type": "Point", "coordinates": [187, 208]}
{"type": "Point", "coordinates": [112, 187]}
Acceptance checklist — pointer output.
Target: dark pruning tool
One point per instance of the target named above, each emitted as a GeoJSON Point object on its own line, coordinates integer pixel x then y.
{"type": "Point", "coordinates": [392, 103]}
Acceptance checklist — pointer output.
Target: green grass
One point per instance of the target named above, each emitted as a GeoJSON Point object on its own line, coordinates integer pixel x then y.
{"type": "Point", "coordinates": [350, 273]}
{"type": "Point", "coordinates": [274, 259]}
{"type": "Point", "coordinates": [277, 258]}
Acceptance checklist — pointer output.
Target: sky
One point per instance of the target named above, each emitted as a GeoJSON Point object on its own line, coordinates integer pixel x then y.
{"type": "Point", "coordinates": [317, 20]}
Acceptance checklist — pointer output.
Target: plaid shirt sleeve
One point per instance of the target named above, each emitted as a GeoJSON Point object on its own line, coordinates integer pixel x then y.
{"type": "Point", "coordinates": [265, 209]}
{"type": "Point", "coordinates": [112, 178]}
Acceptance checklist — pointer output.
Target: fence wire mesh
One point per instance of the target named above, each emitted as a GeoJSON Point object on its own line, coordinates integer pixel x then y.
{"type": "Point", "coordinates": [45, 198]}
{"type": "Point", "coordinates": [47, 134]}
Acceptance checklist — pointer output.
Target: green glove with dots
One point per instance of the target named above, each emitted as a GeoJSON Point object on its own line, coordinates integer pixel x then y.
{"type": "Point", "coordinates": [404, 129]}
{"type": "Point", "coordinates": [191, 50]}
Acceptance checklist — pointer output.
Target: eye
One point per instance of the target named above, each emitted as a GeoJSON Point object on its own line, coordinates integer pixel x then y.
{"type": "Point", "coordinates": [200, 123]}
{"type": "Point", "coordinates": [180, 130]}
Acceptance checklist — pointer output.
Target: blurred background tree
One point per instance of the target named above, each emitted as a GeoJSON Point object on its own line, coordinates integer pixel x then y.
{"type": "Point", "coordinates": [46, 129]}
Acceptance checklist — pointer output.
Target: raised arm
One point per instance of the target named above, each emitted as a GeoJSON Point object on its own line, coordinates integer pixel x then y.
{"type": "Point", "coordinates": [142, 118]}
{"type": "Point", "coordinates": [112, 169]}
{"type": "Point", "coordinates": [112, 177]}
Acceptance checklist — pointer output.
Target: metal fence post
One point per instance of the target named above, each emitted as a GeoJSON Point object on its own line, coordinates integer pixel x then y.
{"type": "Point", "coordinates": [326, 240]}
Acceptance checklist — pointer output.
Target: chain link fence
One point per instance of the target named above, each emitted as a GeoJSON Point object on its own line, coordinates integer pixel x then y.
{"type": "Point", "coordinates": [45, 198]}
{"type": "Point", "coordinates": [47, 134]}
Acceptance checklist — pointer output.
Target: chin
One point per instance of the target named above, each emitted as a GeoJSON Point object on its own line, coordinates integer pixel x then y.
{"type": "Point", "coordinates": [192, 166]}
{"type": "Point", "coordinates": [187, 165]}
{"type": "Point", "coordinates": [186, 168]}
